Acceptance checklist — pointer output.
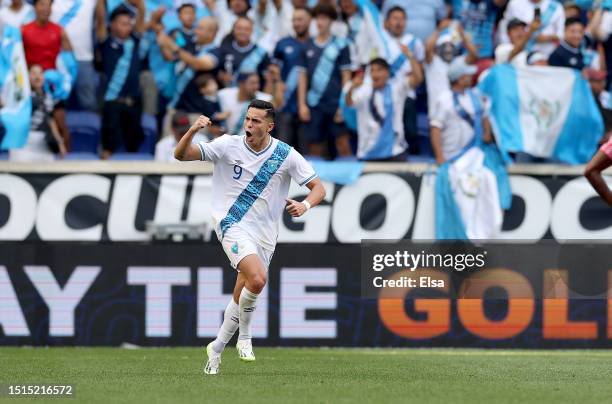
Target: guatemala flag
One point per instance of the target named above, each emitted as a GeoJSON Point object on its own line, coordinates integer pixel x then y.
{"type": "Point", "coordinates": [370, 40]}
{"type": "Point", "coordinates": [547, 112]}
{"type": "Point", "coordinates": [60, 81]}
{"type": "Point", "coordinates": [15, 92]}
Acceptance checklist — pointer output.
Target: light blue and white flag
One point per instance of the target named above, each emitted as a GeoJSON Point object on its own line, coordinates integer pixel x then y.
{"type": "Point", "coordinates": [15, 93]}
{"type": "Point", "coordinates": [547, 112]}
{"type": "Point", "coordinates": [370, 40]}
{"type": "Point", "coordinates": [60, 81]}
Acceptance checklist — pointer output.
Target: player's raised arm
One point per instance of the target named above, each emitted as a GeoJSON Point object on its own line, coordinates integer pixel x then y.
{"type": "Point", "coordinates": [185, 149]}
{"type": "Point", "coordinates": [314, 197]}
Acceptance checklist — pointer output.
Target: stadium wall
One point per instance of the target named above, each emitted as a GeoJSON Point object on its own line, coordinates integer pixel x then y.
{"type": "Point", "coordinates": [77, 267]}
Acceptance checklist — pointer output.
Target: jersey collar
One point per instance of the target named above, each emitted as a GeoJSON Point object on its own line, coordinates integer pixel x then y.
{"type": "Point", "coordinates": [253, 151]}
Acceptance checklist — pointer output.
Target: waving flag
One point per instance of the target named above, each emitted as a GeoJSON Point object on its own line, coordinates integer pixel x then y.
{"type": "Point", "coordinates": [15, 90]}
{"type": "Point", "coordinates": [60, 81]}
{"type": "Point", "coordinates": [547, 112]}
{"type": "Point", "coordinates": [370, 39]}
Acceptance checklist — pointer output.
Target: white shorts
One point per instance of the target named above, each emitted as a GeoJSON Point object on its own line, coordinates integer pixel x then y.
{"type": "Point", "coordinates": [237, 244]}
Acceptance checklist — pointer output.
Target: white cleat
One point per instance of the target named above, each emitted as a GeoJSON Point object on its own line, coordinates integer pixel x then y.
{"type": "Point", "coordinates": [245, 350]}
{"type": "Point", "coordinates": [213, 362]}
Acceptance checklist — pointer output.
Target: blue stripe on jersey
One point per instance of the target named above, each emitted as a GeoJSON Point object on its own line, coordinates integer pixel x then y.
{"type": "Point", "coordinates": [249, 195]}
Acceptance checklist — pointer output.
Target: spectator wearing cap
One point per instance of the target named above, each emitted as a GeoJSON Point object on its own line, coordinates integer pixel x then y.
{"type": "Point", "coordinates": [597, 81]}
{"type": "Point", "coordinates": [479, 18]}
{"type": "Point", "coordinates": [324, 68]}
{"type": "Point", "coordinates": [240, 55]}
{"type": "Point", "coordinates": [441, 49]}
{"type": "Point", "coordinates": [286, 57]}
{"type": "Point", "coordinates": [190, 63]}
{"type": "Point", "coordinates": [119, 60]}
{"type": "Point", "coordinates": [16, 14]}
{"type": "Point", "coordinates": [424, 15]}
{"type": "Point", "coordinates": [550, 32]}
{"type": "Point", "coordinates": [180, 123]}
{"type": "Point", "coordinates": [235, 101]}
{"type": "Point", "coordinates": [515, 52]}
{"type": "Point", "coordinates": [575, 50]}
{"type": "Point", "coordinates": [378, 100]}
{"type": "Point", "coordinates": [459, 115]}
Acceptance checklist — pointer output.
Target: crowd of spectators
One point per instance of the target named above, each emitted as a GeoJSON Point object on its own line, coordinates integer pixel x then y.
{"type": "Point", "coordinates": [173, 60]}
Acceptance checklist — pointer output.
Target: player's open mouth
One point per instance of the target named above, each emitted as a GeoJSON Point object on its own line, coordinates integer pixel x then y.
{"type": "Point", "coordinates": [248, 134]}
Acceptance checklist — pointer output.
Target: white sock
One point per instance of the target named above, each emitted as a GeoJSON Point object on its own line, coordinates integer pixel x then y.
{"type": "Point", "coordinates": [248, 303]}
{"type": "Point", "coordinates": [228, 328]}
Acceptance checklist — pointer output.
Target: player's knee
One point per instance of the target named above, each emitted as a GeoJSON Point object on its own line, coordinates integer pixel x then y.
{"type": "Point", "coordinates": [257, 283]}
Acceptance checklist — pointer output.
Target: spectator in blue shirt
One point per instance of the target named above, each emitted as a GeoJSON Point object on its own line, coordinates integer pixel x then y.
{"type": "Point", "coordinates": [287, 57]}
{"type": "Point", "coordinates": [325, 66]}
{"type": "Point", "coordinates": [118, 58]}
{"type": "Point", "coordinates": [478, 18]}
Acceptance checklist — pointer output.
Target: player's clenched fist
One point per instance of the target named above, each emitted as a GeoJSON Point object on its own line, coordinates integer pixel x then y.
{"type": "Point", "coordinates": [200, 123]}
{"type": "Point", "coordinates": [295, 208]}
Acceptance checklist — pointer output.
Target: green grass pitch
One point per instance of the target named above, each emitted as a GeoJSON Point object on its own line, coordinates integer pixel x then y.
{"type": "Point", "coordinates": [281, 375]}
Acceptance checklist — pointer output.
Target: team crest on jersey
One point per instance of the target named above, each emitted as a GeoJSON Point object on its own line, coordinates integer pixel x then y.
{"type": "Point", "coordinates": [272, 164]}
{"type": "Point", "coordinates": [235, 248]}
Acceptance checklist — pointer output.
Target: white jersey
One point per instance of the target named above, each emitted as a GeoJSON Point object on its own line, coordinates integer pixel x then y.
{"type": "Point", "coordinates": [368, 128]}
{"type": "Point", "coordinates": [250, 188]}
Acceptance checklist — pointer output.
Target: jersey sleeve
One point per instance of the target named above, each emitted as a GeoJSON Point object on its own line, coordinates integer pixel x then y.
{"type": "Point", "coordinates": [300, 170]}
{"type": "Point", "coordinates": [215, 149]}
{"type": "Point", "coordinates": [344, 59]}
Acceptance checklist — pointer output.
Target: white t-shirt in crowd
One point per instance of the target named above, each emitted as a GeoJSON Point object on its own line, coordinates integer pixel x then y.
{"type": "Point", "coordinates": [436, 80]}
{"type": "Point", "coordinates": [414, 44]}
{"type": "Point", "coordinates": [524, 10]}
{"type": "Point", "coordinates": [16, 19]}
{"type": "Point", "coordinates": [456, 131]}
{"type": "Point", "coordinates": [368, 129]}
{"type": "Point", "coordinates": [76, 17]}
{"type": "Point", "coordinates": [228, 98]}
{"type": "Point", "coordinates": [257, 209]}
{"type": "Point", "coordinates": [502, 53]}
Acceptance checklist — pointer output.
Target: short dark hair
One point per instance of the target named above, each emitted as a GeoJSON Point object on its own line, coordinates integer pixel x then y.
{"type": "Point", "coordinates": [119, 11]}
{"type": "Point", "coordinates": [309, 11]}
{"type": "Point", "coordinates": [572, 21]}
{"type": "Point", "coordinates": [182, 6]}
{"type": "Point", "coordinates": [202, 79]}
{"type": "Point", "coordinates": [380, 62]}
{"type": "Point", "coordinates": [394, 9]}
{"type": "Point", "coordinates": [36, 1]}
{"type": "Point", "coordinates": [242, 17]}
{"type": "Point", "coordinates": [266, 106]}
{"type": "Point", "coordinates": [325, 9]}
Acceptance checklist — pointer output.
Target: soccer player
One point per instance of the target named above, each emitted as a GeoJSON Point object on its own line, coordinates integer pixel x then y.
{"type": "Point", "coordinates": [592, 172]}
{"type": "Point", "coordinates": [250, 188]}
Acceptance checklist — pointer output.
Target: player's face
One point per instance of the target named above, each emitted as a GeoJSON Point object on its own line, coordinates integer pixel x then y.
{"type": "Point", "coordinates": [187, 16]}
{"type": "Point", "coordinates": [243, 29]}
{"type": "Point", "coordinates": [300, 22]}
{"type": "Point", "coordinates": [256, 125]}
{"type": "Point", "coordinates": [396, 23]}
